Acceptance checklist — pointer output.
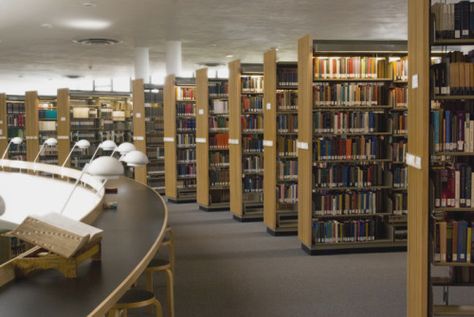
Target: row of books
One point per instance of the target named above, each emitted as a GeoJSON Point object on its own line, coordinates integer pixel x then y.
{"type": "Point", "coordinates": [348, 203]}
{"type": "Point", "coordinates": [252, 83]}
{"type": "Point", "coordinates": [453, 186]}
{"type": "Point", "coordinates": [350, 67]}
{"type": "Point", "coordinates": [287, 193]}
{"type": "Point", "coordinates": [399, 69]}
{"type": "Point", "coordinates": [47, 125]}
{"type": "Point", "coordinates": [252, 183]}
{"type": "Point", "coordinates": [286, 145]}
{"type": "Point", "coordinates": [218, 177]}
{"type": "Point", "coordinates": [453, 241]}
{"type": "Point", "coordinates": [287, 122]}
{"type": "Point", "coordinates": [186, 169]}
{"type": "Point", "coordinates": [186, 123]}
{"type": "Point", "coordinates": [185, 109]}
{"type": "Point", "coordinates": [350, 94]}
{"type": "Point", "coordinates": [15, 108]}
{"type": "Point", "coordinates": [218, 122]}
{"type": "Point", "coordinates": [14, 131]}
{"type": "Point", "coordinates": [47, 114]}
{"type": "Point", "coordinates": [452, 131]}
{"type": "Point", "coordinates": [400, 123]}
{"type": "Point", "coordinates": [400, 203]}
{"type": "Point", "coordinates": [220, 106]}
{"type": "Point", "coordinates": [252, 163]}
{"type": "Point", "coordinates": [153, 110]}
{"type": "Point", "coordinates": [16, 120]}
{"type": "Point", "coordinates": [359, 148]}
{"type": "Point", "coordinates": [218, 88]}
{"type": "Point", "coordinates": [219, 140]}
{"type": "Point", "coordinates": [351, 122]}
{"type": "Point", "coordinates": [186, 184]}
{"type": "Point", "coordinates": [250, 122]}
{"type": "Point", "coordinates": [252, 103]}
{"type": "Point", "coordinates": [219, 158]}
{"type": "Point", "coordinates": [349, 176]}
{"type": "Point", "coordinates": [400, 177]}
{"type": "Point", "coordinates": [334, 231]}
{"type": "Point", "coordinates": [453, 20]}
{"type": "Point", "coordinates": [398, 97]}
{"type": "Point", "coordinates": [399, 151]}
{"type": "Point", "coordinates": [85, 125]}
{"type": "Point", "coordinates": [221, 196]}
{"type": "Point", "coordinates": [185, 139]}
{"type": "Point", "coordinates": [117, 126]}
{"type": "Point", "coordinates": [287, 170]}
{"type": "Point", "coordinates": [287, 100]}
{"type": "Point", "coordinates": [454, 75]}
{"type": "Point", "coordinates": [186, 155]}
{"type": "Point", "coordinates": [287, 76]}
{"type": "Point", "coordinates": [252, 143]}
{"type": "Point", "coordinates": [185, 93]}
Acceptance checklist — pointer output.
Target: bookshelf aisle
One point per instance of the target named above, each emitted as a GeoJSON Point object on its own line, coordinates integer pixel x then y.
{"type": "Point", "coordinates": [179, 138]}
{"type": "Point", "coordinates": [13, 124]}
{"type": "Point", "coordinates": [246, 140]}
{"type": "Point", "coordinates": [212, 148]}
{"type": "Point", "coordinates": [347, 175]}
{"type": "Point", "coordinates": [47, 127]}
{"type": "Point", "coordinates": [280, 136]}
{"type": "Point", "coordinates": [98, 116]}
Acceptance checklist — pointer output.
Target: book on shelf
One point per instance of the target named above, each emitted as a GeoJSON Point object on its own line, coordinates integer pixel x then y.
{"type": "Point", "coordinates": [287, 76]}
{"type": "Point", "coordinates": [287, 100]}
{"type": "Point", "coordinates": [252, 83]}
{"type": "Point", "coordinates": [220, 106]}
{"type": "Point", "coordinates": [399, 151]}
{"type": "Point", "coordinates": [453, 20]}
{"type": "Point", "coordinates": [453, 241]}
{"type": "Point", "coordinates": [350, 94]}
{"type": "Point", "coordinates": [334, 231]}
{"type": "Point", "coordinates": [252, 143]}
{"type": "Point", "coordinates": [349, 176]}
{"type": "Point", "coordinates": [453, 186]}
{"type": "Point", "coordinates": [359, 148]}
{"type": "Point", "coordinates": [186, 155]}
{"type": "Point", "coordinates": [218, 88]}
{"type": "Point", "coordinates": [287, 193]}
{"type": "Point", "coordinates": [219, 141]}
{"type": "Point", "coordinates": [349, 203]}
{"type": "Point", "coordinates": [286, 146]}
{"type": "Point", "coordinates": [452, 131]}
{"type": "Point", "coordinates": [357, 67]}
{"type": "Point", "coordinates": [454, 75]}
{"type": "Point", "coordinates": [287, 170]}
{"type": "Point", "coordinates": [351, 122]}
{"type": "Point", "coordinates": [252, 103]}
{"type": "Point", "coordinates": [56, 233]}
{"type": "Point", "coordinates": [185, 93]}
{"type": "Point", "coordinates": [398, 97]}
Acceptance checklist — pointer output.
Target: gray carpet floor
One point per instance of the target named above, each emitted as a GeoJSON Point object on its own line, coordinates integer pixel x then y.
{"type": "Point", "coordinates": [229, 269]}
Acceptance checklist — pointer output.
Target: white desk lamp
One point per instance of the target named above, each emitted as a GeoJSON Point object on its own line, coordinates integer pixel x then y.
{"type": "Point", "coordinates": [104, 167]}
{"type": "Point", "coordinates": [107, 145]}
{"type": "Point", "coordinates": [48, 142]}
{"type": "Point", "coordinates": [82, 144]}
{"type": "Point", "coordinates": [124, 148]}
{"type": "Point", "coordinates": [16, 140]}
{"type": "Point", "coordinates": [135, 158]}
{"type": "Point", "coordinates": [5, 225]}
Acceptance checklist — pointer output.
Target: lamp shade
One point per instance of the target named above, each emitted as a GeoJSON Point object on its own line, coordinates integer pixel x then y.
{"type": "Point", "coordinates": [83, 144]}
{"type": "Point", "coordinates": [17, 140]}
{"type": "Point", "coordinates": [51, 142]}
{"type": "Point", "coordinates": [125, 148]}
{"type": "Point", "coordinates": [2, 206]}
{"type": "Point", "coordinates": [105, 167]}
{"type": "Point", "coordinates": [108, 145]}
{"type": "Point", "coordinates": [135, 158]}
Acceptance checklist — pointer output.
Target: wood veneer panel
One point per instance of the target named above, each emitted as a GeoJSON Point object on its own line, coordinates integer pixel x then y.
{"type": "Point", "coordinates": [170, 132]}
{"type": "Point", "coordinates": [64, 125]}
{"type": "Point", "coordinates": [202, 132]}
{"type": "Point", "coordinates": [235, 133]}
{"type": "Point", "coordinates": [269, 124]}
{"type": "Point", "coordinates": [3, 124]}
{"type": "Point", "coordinates": [32, 125]}
{"type": "Point", "coordinates": [139, 134]}
{"type": "Point", "coordinates": [418, 132]}
{"type": "Point", "coordinates": [305, 135]}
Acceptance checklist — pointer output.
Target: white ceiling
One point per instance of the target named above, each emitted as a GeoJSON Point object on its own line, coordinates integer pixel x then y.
{"type": "Point", "coordinates": [209, 29]}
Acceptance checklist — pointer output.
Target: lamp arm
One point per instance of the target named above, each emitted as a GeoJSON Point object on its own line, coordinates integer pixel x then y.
{"type": "Point", "coordinates": [113, 152]}
{"type": "Point", "coordinates": [37, 155]}
{"type": "Point", "coordinates": [72, 191]}
{"type": "Point", "coordinates": [69, 155]}
{"type": "Point", "coordinates": [6, 150]}
{"type": "Point", "coordinates": [95, 153]}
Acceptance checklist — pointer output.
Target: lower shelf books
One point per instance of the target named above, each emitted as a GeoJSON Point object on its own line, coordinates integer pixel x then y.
{"type": "Point", "coordinates": [286, 146]}
{"type": "Point", "coordinates": [453, 186]}
{"type": "Point", "coordinates": [287, 193]}
{"type": "Point", "coordinates": [186, 155]}
{"type": "Point", "coordinates": [453, 241]}
{"type": "Point", "coordinates": [452, 131]}
{"type": "Point", "coordinates": [334, 231]}
{"type": "Point", "coordinates": [363, 148]}
{"type": "Point", "coordinates": [460, 275]}
{"type": "Point", "coordinates": [349, 203]}
{"type": "Point", "coordinates": [351, 122]}
{"type": "Point", "coordinates": [349, 176]}
{"type": "Point", "coordinates": [400, 203]}
{"type": "Point", "coordinates": [400, 177]}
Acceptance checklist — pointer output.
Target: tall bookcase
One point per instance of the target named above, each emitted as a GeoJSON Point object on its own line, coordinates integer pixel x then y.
{"type": "Point", "coordinates": [139, 129]}
{"type": "Point", "coordinates": [179, 138]}
{"type": "Point", "coordinates": [350, 150]}
{"type": "Point", "coordinates": [31, 124]}
{"type": "Point", "coordinates": [15, 125]}
{"type": "Point", "coordinates": [246, 140]}
{"type": "Point", "coordinates": [440, 157]}
{"type": "Point", "coordinates": [47, 128]}
{"type": "Point", "coordinates": [212, 147]}
{"type": "Point", "coordinates": [280, 136]}
{"type": "Point", "coordinates": [63, 125]}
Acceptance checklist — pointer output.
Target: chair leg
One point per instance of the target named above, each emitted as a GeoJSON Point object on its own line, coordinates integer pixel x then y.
{"type": "Point", "coordinates": [158, 308]}
{"type": "Point", "coordinates": [169, 275]}
{"type": "Point", "coordinates": [112, 313]}
{"type": "Point", "coordinates": [171, 255]}
{"type": "Point", "coordinates": [149, 281]}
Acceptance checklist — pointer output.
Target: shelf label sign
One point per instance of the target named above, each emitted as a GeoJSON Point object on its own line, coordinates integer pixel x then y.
{"type": "Point", "coordinates": [63, 137]}
{"type": "Point", "coordinates": [138, 138]}
{"type": "Point", "coordinates": [414, 81]}
{"type": "Point", "coordinates": [269, 106]}
{"type": "Point", "coordinates": [302, 145]}
{"type": "Point", "coordinates": [168, 139]}
{"type": "Point", "coordinates": [138, 115]}
{"type": "Point", "coordinates": [268, 143]}
{"type": "Point", "coordinates": [201, 111]}
{"type": "Point", "coordinates": [63, 119]}
{"type": "Point", "coordinates": [200, 140]}
{"type": "Point", "coordinates": [234, 141]}
{"type": "Point", "coordinates": [413, 161]}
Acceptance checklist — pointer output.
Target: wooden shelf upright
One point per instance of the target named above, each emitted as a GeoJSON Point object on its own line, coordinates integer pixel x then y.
{"type": "Point", "coordinates": [139, 140]}
{"type": "Point", "coordinates": [63, 125]}
{"type": "Point", "coordinates": [3, 123]}
{"type": "Point", "coordinates": [212, 152]}
{"type": "Point", "coordinates": [179, 138]}
{"type": "Point", "coordinates": [246, 142]}
{"type": "Point", "coordinates": [32, 127]}
{"type": "Point", "coordinates": [280, 134]}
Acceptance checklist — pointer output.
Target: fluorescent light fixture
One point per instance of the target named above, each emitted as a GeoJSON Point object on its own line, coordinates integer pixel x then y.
{"type": "Point", "coordinates": [88, 24]}
{"type": "Point", "coordinates": [89, 4]}
{"type": "Point", "coordinates": [47, 25]}
{"type": "Point", "coordinates": [229, 56]}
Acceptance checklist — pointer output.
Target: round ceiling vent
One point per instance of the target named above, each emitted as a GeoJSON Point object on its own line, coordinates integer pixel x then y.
{"type": "Point", "coordinates": [97, 41]}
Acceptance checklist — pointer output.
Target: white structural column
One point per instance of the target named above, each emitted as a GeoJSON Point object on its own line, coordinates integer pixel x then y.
{"type": "Point", "coordinates": [173, 57]}
{"type": "Point", "coordinates": [142, 63]}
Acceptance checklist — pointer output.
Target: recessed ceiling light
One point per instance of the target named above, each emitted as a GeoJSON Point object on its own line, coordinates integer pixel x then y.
{"type": "Point", "coordinates": [213, 45]}
{"type": "Point", "coordinates": [229, 56]}
{"type": "Point", "coordinates": [47, 25]}
{"type": "Point", "coordinates": [89, 4]}
{"type": "Point", "coordinates": [88, 24]}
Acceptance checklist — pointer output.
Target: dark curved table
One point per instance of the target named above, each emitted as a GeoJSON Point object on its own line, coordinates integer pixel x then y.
{"type": "Point", "coordinates": [130, 232]}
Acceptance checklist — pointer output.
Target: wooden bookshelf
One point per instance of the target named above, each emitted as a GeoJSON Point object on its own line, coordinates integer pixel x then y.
{"type": "Point", "coordinates": [139, 137]}
{"type": "Point", "coordinates": [180, 159]}
{"type": "Point", "coordinates": [246, 203]}
{"type": "Point", "coordinates": [280, 214]}
{"type": "Point", "coordinates": [31, 126]}
{"type": "Point", "coordinates": [64, 125]}
{"type": "Point", "coordinates": [380, 200]}
{"type": "Point", "coordinates": [16, 126]}
{"type": "Point", "coordinates": [47, 128]}
{"type": "Point", "coordinates": [212, 177]}
{"type": "Point", "coordinates": [3, 123]}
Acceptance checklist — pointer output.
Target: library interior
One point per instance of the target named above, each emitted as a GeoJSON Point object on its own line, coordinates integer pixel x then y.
{"type": "Point", "coordinates": [182, 158]}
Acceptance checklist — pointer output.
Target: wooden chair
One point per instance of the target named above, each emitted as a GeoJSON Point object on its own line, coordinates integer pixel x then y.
{"type": "Point", "coordinates": [158, 265]}
{"type": "Point", "coordinates": [135, 298]}
{"type": "Point", "coordinates": [169, 243]}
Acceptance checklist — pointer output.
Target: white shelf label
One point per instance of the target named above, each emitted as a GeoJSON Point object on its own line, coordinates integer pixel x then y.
{"type": "Point", "coordinates": [414, 81]}
{"type": "Point", "coordinates": [413, 161]}
{"type": "Point", "coordinates": [1, 121]}
{"type": "Point", "coordinates": [302, 145]}
{"type": "Point", "coordinates": [63, 119]}
{"type": "Point", "coordinates": [269, 106]}
{"type": "Point", "coordinates": [201, 112]}
{"type": "Point", "coordinates": [168, 139]}
{"type": "Point", "coordinates": [233, 141]}
{"type": "Point", "coordinates": [138, 138]}
{"type": "Point", "coordinates": [268, 143]}
{"type": "Point", "coordinates": [200, 140]}
{"type": "Point", "coordinates": [3, 137]}
{"type": "Point", "coordinates": [63, 137]}
{"type": "Point", "coordinates": [138, 115]}
{"type": "Point", "coordinates": [31, 138]}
